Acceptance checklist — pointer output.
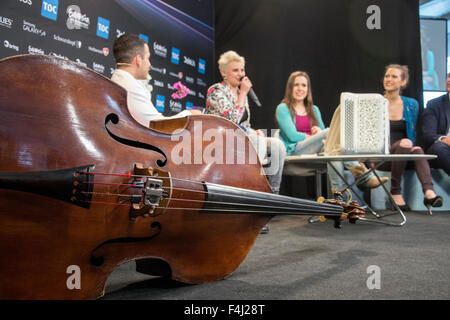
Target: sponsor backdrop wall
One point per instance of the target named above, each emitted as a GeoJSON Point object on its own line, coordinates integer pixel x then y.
{"type": "Point", "coordinates": [179, 34]}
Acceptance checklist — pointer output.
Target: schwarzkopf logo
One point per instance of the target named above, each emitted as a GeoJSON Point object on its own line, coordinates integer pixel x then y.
{"type": "Point", "coordinates": [160, 70]}
{"type": "Point", "coordinates": [73, 43]}
{"type": "Point", "coordinates": [76, 20]}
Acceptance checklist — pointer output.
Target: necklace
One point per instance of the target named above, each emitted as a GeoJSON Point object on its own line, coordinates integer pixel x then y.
{"type": "Point", "coordinates": [300, 110]}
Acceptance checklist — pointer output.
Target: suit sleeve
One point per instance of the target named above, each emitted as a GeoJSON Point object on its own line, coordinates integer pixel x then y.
{"type": "Point", "coordinates": [429, 124]}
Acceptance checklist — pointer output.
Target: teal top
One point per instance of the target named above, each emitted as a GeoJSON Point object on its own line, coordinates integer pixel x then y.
{"type": "Point", "coordinates": [410, 114]}
{"type": "Point", "coordinates": [288, 131]}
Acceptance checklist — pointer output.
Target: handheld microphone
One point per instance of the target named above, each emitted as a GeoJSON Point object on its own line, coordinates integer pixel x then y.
{"type": "Point", "coordinates": [253, 96]}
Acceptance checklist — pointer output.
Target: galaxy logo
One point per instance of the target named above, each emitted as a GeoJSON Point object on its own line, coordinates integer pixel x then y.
{"type": "Point", "coordinates": [160, 102]}
{"type": "Point", "coordinates": [175, 58]}
{"type": "Point", "coordinates": [201, 66]}
{"type": "Point", "coordinates": [50, 9]}
{"type": "Point", "coordinates": [103, 28]}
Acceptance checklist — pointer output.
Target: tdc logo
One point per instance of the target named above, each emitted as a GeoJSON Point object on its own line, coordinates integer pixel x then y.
{"type": "Point", "coordinates": [103, 28]}
{"type": "Point", "coordinates": [50, 9]}
{"type": "Point", "coordinates": [160, 102]}
{"type": "Point", "coordinates": [175, 56]}
{"type": "Point", "coordinates": [201, 66]}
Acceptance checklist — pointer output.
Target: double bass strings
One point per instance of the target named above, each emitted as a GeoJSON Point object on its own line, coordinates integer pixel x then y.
{"type": "Point", "coordinates": [279, 202]}
{"type": "Point", "coordinates": [291, 208]}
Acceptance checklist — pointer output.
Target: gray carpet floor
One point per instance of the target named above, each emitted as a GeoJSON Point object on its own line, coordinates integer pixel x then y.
{"type": "Point", "coordinates": [298, 260]}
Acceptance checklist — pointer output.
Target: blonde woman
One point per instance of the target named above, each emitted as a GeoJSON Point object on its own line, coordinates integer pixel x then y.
{"type": "Point", "coordinates": [228, 99]}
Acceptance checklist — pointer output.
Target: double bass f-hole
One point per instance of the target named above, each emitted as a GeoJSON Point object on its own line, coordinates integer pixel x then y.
{"type": "Point", "coordinates": [150, 195]}
{"type": "Point", "coordinates": [112, 117]}
{"type": "Point", "coordinates": [98, 254]}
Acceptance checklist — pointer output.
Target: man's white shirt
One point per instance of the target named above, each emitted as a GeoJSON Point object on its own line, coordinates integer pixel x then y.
{"type": "Point", "coordinates": [139, 100]}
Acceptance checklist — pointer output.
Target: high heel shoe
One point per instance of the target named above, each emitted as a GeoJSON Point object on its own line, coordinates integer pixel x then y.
{"type": "Point", "coordinates": [434, 202]}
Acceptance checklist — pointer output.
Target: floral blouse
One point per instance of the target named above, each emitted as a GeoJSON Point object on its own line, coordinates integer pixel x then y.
{"type": "Point", "coordinates": [221, 101]}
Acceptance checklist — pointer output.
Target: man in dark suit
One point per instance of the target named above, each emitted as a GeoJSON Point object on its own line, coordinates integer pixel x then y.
{"type": "Point", "coordinates": [435, 128]}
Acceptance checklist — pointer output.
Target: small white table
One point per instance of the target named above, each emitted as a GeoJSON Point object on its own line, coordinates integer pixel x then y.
{"type": "Point", "coordinates": [377, 159]}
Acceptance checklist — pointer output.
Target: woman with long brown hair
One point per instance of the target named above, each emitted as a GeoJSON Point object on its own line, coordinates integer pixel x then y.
{"type": "Point", "coordinates": [301, 127]}
{"type": "Point", "coordinates": [303, 132]}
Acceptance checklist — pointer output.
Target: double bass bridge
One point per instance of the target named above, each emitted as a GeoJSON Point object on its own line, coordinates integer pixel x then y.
{"type": "Point", "coordinates": [153, 194]}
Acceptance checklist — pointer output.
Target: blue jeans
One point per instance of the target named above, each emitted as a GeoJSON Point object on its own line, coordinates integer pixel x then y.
{"type": "Point", "coordinates": [311, 145]}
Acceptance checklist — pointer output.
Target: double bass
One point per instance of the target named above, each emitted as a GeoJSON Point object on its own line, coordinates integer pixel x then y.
{"type": "Point", "coordinates": [85, 188]}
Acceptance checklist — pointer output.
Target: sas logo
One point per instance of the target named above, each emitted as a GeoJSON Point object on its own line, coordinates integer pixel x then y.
{"type": "Point", "coordinates": [103, 28]}
{"type": "Point", "coordinates": [201, 66]}
{"type": "Point", "coordinates": [50, 9]}
{"type": "Point", "coordinates": [189, 105]}
{"type": "Point", "coordinates": [160, 102]}
{"type": "Point", "coordinates": [143, 37]}
{"type": "Point", "coordinates": [175, 58]}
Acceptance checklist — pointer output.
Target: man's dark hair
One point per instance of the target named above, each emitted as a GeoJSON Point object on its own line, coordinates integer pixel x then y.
{"type": "Point", "coordinates": [127, 46]}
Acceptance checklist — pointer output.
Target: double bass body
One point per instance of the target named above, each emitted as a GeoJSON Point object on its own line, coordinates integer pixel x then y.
{"type": "Point", "coordinates": [54, 227]}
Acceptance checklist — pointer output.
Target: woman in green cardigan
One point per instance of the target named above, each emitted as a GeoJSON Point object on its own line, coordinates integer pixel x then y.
{"type": "Point", "coordinates": [303, 132]}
